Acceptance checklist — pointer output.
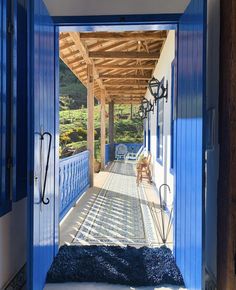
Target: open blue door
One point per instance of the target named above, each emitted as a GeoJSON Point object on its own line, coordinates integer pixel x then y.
{"type": "Point", "coordinates": [190, 145]}
{"type": "Point", "coordinates": [43, 115]}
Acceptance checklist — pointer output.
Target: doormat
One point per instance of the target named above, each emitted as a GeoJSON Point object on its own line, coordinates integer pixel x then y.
{"type": "Point", "coordinates": [19, 281]}
{"type": "Point", "coordinates": [115, 265]}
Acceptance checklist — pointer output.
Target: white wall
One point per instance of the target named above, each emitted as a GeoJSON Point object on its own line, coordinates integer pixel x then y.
{"type": "Point", "coordinates": [114, 7]}
{"type": "Point", "coordinates": [161, 173]}
{"type": "Point", "coordinates": [13, 241]}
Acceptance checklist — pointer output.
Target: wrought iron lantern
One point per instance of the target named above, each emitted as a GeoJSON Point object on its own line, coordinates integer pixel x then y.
{"type": "Point", "coordinates": [145, 104]}
{"type": "Point", "coordinates": [153, 86]}
{"type": "Point", "coordinates": [142, 113]}
{"type": "Point", "coordinates": [157, 89]}
{"type": "Point", "coordinates": [151, 107]}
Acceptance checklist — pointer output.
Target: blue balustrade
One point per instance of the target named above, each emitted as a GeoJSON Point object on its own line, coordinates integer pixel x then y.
{"type": "Point", "coordinates": [107, 153]}
{"type": "Point", "coordinates": [74, 180]}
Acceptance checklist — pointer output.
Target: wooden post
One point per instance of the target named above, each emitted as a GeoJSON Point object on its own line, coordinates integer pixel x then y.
{"type": "Point", "coordinates": [226, 228]}
{"type": "Point", "coordinates": [103, 129]}
{"type": "Point", "coordinates": [111, 129]}
{"type": "Point", "coordinates": [90, 121]}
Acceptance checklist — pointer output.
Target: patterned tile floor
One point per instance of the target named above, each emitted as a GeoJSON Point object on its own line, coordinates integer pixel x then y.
{"type": "Point", "coordinates": [115, 212]}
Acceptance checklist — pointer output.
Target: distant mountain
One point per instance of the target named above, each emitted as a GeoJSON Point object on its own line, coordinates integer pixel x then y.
{"type": "Point", "coordinates": [73, 94]}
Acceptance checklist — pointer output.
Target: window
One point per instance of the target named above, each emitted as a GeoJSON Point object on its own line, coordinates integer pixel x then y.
{"type": "Point", "coordinates": [172, 115]}
{"type": "Point", "coordinates": [160, 118]}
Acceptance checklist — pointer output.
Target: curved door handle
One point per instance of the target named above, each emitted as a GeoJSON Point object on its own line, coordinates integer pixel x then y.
{"type": "Point", "coordinates": [47, 201]}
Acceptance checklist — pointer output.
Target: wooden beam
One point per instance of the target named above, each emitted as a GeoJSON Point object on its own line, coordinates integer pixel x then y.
{"type": "Point", "coordinates": [71, 54]}
{"type": "Point", "coordinates": [127, 95]}
{"type": "Point", "coordinates": [126, 91]}
{"type": "Point", "coordinates": [63, 35]}
{"type": "Point", "coordinates": [124, 55]}
{"type": "Point", "coordinates": [103, 128]}
{"type": "Point", "coordinates": [66, 45]}
{"type": "Point", "coordinates": [129, 36]}
{"type": "Point", "coordinates": [127, 102]}
{"type": "Point", "coordinates": [129, 85]}
{"type": "Point", "coordinates": [90, 122]}
{"type": "Point", "coordinates": [125, 77]}
{"type": "Point", "coordinates": [85, 54]}
{"type": "Point", "coordinates": [126, 67]}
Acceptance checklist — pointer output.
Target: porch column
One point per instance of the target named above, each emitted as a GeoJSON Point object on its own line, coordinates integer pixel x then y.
{"type": "Point", "coordinates": [90, 121]}
{"type": "Point", "coordinates": [111, 129]}
{"type": "Point", "coordinates": [103, 129]}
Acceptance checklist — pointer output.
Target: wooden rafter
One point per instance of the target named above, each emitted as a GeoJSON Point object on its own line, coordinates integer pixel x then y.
{"type": "Point", "coordinates": [85, 54]}
{"type": "Point", "coordinates": [127, 77]}
{"type": "Point", "coordinates": [125, 67]}
{"type": "Point", "coordinates": [123, 62]}
{"type": "Point", "coordinates": [124, 35]}
{"type": "Point", "coordinates": [124, 55]}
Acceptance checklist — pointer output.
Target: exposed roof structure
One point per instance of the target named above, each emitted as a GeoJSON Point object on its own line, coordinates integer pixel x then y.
{"type": "Point", "coordinates": [123, 61]}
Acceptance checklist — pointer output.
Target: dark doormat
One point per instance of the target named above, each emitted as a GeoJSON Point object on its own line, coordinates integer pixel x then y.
{"type": "Point", "coordinates": [111, 264]}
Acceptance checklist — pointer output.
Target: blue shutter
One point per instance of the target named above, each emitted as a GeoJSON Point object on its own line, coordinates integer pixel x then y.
{"type": "Point", "coordinates": [5, 203]}
{"type": "Point", "coordinates": [43, 118]}
{"type": "Point", "coordinates": [190, 150]}
{"type": "Point", "coordinates": [20, 106]}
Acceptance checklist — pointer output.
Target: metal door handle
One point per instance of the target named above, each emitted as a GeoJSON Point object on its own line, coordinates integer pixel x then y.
{"type": "Point", "coordinates": [47, 201]}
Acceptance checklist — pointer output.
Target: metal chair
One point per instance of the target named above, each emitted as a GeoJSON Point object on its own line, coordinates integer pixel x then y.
{"type": "Point", "coordinates": [121, 152]}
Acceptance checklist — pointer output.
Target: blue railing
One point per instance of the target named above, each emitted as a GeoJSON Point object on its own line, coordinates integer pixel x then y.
{"type": "Point", "coordinates": [131, 147]}
{"type": "Point", "coordinates": [107, 153]}
{"type": "Point", "coordinates": [74, 180]}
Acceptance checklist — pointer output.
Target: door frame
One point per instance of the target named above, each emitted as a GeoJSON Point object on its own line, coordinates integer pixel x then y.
{"type": "Point", "coordinates": [163, 21]}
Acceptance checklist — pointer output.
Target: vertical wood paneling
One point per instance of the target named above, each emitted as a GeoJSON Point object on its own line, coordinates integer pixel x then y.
{"type": "Point", "coordinates": [189, 150]}
{"type": "Point", "coordinates": [5, 203]}
{"type": "Point", "coordinates": [42, 118]}
{"type": "Point", "coordinates": [20, 106]}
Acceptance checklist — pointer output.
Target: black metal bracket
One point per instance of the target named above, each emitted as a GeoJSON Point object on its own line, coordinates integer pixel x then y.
{"type": "Point", "coordinates": [47, 201]}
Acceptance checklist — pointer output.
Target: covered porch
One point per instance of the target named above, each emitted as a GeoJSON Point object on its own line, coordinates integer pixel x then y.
{"type": "Point", "coordinates": [116, 211]}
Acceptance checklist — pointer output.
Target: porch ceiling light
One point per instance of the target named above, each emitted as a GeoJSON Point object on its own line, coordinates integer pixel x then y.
{"type": "Point", "coordinates": [157, 89]}
{"type": "Point", "coordinates": [153, 86]}
{"type": "Point", "coordinates": [142, 113]}
{"type": "Point", "coordinates": [145, 104]}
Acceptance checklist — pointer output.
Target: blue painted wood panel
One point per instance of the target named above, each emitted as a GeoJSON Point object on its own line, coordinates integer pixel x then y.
{"type": "Point", "coordinates": [43, 110]}
{"type": "Point", "coordinates": [107, 153]}
{"type": "Point", "coordinates": [5, 203]}
{"type": "Point", "coordinates": [74, 180]}
{"type": "Point", "coordinates": [20, 103]}
{"type": "Point", "coordinates": [190, 150]}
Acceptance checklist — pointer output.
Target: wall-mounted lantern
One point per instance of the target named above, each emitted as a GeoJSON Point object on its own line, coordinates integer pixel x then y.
{"type": "Point", "coordinates": [142, 113]}
{"type": "Point", "coordinates": [157, 89]}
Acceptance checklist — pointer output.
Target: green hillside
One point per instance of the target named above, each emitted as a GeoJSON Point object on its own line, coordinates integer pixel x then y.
{"type": "Point", "coordinates": [73, 118]}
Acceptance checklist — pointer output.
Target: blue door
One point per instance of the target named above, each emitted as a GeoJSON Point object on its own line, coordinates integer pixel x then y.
{"type": "Point", "coordinates": [43, 113]}
{"type": "Point", "coordinates": [190, 145]}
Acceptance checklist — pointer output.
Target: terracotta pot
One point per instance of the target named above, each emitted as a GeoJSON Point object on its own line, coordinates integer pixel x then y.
{"type": "Point", "coordinates": [97, 166]}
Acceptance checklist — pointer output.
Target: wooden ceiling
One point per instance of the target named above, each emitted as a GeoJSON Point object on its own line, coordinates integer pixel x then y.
{"type": "Point", "coordinates": [123, 62]}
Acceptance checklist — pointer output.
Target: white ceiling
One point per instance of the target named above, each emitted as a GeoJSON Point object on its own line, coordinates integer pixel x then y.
{"type": "Point", "coordinates": [114, 7]}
